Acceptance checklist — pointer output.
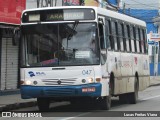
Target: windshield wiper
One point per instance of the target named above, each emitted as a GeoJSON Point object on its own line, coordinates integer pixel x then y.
{"type": "Point", "coordinates": [73, 30]}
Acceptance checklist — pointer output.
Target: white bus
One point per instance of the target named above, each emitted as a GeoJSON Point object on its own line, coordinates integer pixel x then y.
{"type": "Point", "coordinates": [82, 54]}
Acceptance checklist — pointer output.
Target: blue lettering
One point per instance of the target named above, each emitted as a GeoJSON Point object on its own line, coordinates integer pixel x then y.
{"type": "Point", "coordinates": [86, 72]}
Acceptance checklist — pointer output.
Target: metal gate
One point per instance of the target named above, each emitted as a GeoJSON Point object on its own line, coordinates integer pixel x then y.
{"type": "Point", "coordinates": [9, 64]}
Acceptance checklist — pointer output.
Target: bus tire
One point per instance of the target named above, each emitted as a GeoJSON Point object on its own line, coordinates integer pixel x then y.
{"type": "Point", "coordinates": [133, 97]}
{"type": "Point", "coordinates": [43, 104]}
{"type": "Point", "coordinates": [123, 98]}
{"type": "Point", "coordinates": [106, 101]}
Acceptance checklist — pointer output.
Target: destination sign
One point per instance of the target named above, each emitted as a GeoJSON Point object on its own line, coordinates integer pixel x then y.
{"type": "Point", "coordinates": [58, 15]}
{"type": "Point", "coordinates": [65, 16]}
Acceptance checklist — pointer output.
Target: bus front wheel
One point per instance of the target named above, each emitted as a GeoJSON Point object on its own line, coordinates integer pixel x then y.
{"type": "Point", "coordinates": [106, 101]}
{"type": "Point", "coordinates": [43, 104]}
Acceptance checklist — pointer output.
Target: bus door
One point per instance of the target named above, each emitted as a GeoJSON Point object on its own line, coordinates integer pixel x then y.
{"type": "Point", "coordinates": [103, 54]}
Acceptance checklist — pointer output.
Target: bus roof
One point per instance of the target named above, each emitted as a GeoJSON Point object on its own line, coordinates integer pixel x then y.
{"type": "Point", "coordinates": [121, 16]}
{"type": "Point", "coordinates": [101, 11]}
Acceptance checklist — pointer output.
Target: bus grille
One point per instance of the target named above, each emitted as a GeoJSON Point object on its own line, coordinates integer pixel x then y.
{"type": "Point", "coordinates": [55, 82]}
{"type": "Point", "coordinates": [60, 92]}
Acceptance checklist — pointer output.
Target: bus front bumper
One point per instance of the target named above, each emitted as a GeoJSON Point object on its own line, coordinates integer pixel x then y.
{"type": "Point", "coordinates": [90, 90]}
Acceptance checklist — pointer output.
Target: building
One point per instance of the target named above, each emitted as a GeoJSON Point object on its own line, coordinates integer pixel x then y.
{"type": "Point", "coordinates": [10, 13]}
{"type": "Point", "coordinates": [156, 21]}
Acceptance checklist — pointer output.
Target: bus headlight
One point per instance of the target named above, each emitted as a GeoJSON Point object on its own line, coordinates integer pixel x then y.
{"type": "Point", "coordinates": [90, 80]}
{"type": "Point", "coordinates": [28, 82]}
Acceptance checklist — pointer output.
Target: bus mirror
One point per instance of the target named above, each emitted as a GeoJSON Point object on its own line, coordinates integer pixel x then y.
{"type": "Point", "coordinates": [101, 21]}
{"type": "Point", "coordinates": [16, 36]}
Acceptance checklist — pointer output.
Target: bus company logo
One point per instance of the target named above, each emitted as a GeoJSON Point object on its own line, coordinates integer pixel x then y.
{"type": "Point", "coordinates": [31, 73]}
{"type": "Point", "coordinates": [59, 82]}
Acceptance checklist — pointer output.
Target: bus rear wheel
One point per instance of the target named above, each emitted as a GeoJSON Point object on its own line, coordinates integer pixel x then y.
{"type": "Point", "coordinates": [133, 97]}
{"type": "Point", "coordinates": [43, 104]}
{"type": "Point", "coordinates": [123, 98]}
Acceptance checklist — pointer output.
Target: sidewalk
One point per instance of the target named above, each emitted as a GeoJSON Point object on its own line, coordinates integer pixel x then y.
{"type": "Point", "coordinates": [12, 100]}
{"type": "Point", "coordinates": [154, 80]}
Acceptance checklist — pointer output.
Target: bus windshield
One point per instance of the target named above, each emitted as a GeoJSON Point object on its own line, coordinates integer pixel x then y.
{"type": "Point", "coordinates": [60, 44]}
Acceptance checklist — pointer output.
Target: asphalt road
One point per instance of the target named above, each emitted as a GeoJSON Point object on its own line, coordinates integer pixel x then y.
{"type": "Point", "coordinates": [148, 106]}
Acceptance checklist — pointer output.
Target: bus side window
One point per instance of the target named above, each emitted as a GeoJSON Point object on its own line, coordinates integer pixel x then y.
{"type": "Point", "coordinates": [120, 36]}
{"type": "Point", "coordinates": [129, 38]}
{"type": "Point", "coordinates": [117, 35]}
{"type": "Point", "coordinates": [110, 35]}
{"type": "Point", "coordinates": [124, 39]}
{"type": "Point", "coordinates": [140, 46]}
{"type": "Point", "coordinates": [134, 39]}
{"type": "Point", "coordinates": [144, 41]}
{"type": "Point", "coordinates": [137, 41]}
{"type": "Point", "coordinates": [107, 30]}
{"type": "Point", "coordinates": [101, 36]}
{"type": "Point", "coordinates": [114, 35]}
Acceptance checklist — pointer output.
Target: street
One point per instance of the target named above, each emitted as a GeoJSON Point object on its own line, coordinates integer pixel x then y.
{"type": "Point", "coordinates": [149, 100]}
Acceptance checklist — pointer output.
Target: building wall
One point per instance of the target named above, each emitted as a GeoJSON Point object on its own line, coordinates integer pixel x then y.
{"type": "Point", "coordinates": [10, 11]}
{"type": "Point", "coordinates": [50, 3]}
{"type": "Point", "coordinates": [10, 16]}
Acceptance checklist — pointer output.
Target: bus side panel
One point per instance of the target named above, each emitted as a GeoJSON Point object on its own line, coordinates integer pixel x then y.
{"type": "Point", "coordinates": [101, 72]}
{"type": "Point", "coordinates": [115, 67]}
{"type": "Point", "coordinates": [141, 66]}
{"type": "Point", "coordinates": [126, 70]}
{"type": "Point", "coordinates": [146, 73]}
{"type": "Point", "coordinates": [137, 68]}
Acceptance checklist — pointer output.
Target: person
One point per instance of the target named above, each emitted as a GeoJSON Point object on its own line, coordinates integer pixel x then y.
{"type": "Point", "coordinates": [60, 54]}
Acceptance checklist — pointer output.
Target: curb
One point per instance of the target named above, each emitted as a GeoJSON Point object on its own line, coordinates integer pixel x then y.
{"type": "Point", "coordinates": [17, 106]}
{"type": "Point", "coordinates": [9, 92]}
{"type": "Point", "coordinates": [158, 84]}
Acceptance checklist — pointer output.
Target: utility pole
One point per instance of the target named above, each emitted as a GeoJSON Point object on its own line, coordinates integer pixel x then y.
{"type": "Point", "coordinates": [124, 7]}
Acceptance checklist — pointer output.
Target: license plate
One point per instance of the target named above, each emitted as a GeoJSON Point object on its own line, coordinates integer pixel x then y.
{"type": "Point", "coordinates": [92, 89]}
